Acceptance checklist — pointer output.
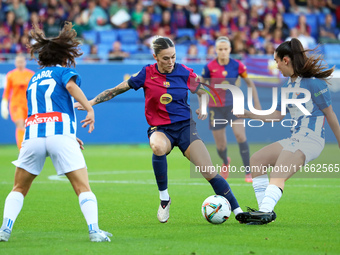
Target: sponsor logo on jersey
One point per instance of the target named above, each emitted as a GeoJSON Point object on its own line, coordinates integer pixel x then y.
{"type": "Point", "coordinates": [154, 77]}
{"type": "Point", "coordinates": [166, 84]}
{"type": "Point", "coordinates": [165, 98]}
{"type": "Point", "coordinates": [321, 92]}
{"type": "Point", "coordinates": [224, 73]}
{"type": "Point", "coordinates": [43, 118]}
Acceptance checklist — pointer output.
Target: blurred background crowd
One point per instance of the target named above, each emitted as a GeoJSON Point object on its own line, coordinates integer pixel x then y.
{"type": "Point", "coordinates": [114, 30]}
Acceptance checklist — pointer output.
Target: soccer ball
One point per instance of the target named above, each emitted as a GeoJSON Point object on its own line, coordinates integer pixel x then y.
{"type": "Point", "coordinates": [216, 209]}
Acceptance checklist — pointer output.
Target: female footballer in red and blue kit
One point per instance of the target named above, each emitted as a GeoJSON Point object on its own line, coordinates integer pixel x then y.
{"type": "Point", "coordinates": [225, 70]}
{"type": "Point", "coordinates": [166, 86]}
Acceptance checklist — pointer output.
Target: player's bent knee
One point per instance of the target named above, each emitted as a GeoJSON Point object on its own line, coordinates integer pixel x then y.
{"type": "Point", "coordinates": [158, 149]}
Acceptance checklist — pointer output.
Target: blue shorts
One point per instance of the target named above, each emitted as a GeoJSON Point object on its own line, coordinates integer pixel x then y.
{"type": "Point", "coordinates": [180, 134]}
{"type": "Point", "coordinates": [220, 113]}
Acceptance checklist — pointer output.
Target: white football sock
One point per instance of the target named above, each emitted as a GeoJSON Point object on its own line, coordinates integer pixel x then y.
{"type": "Point", "coordinates": [13, 205]}
{"type": "Point", "coordinates": [164, 195]}
{"type": "Point", "coordinates": [260, 184]}
{"type": "Point", "coordinates": [88, 206]}
{"type": "Point", "coordinates": [237, 210]}
{"type": "Point", "coordinates": [271, 197]}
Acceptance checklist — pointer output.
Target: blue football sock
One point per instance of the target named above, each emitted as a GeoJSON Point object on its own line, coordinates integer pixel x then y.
{"type": "Point", "coordinates": [160, 168]}
{"type": "Point", "coordinates": [223, 155]}
{"type": "Point", "coordinates": [244, 151]}
{"type": "Point", "coordinates": [221, 187]}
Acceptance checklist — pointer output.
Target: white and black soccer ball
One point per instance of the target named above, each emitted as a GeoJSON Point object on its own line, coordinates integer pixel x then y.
{"type": "Point", "coordinates": [216, 209]}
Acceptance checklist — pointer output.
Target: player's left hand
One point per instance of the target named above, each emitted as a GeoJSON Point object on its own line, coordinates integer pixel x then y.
{"type": "Point", "coordinates": [81, 143]}
{"type": "Point", "coordinates": [89, 120]}
{"type": "Point", "coordinates": [201, 116]}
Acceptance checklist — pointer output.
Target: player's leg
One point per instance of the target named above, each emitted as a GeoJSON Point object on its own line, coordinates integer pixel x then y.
{"type": "Point", "coordinates": [260, 161]}
{"type": "Point", "coordinates": [15, 201]}
{"type": "Point", "coordinates": [198, 154]}
{"type": "Point", "coordinates": [68, 159]}
{"type": "Point", "coordinates": [161, 146]}
{"type": "Point", "coordinates": [219, 132]}
{"type": "Point", "coordinates": [287, 164]}
{"type": "Point", "coordinates": [28, 165]}
{"type": "Point", "coordinates": [240, 135]}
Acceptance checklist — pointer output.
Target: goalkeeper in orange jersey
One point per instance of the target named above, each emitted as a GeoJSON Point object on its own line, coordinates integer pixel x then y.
{"type": "Point", "coordinates": [15, 92]}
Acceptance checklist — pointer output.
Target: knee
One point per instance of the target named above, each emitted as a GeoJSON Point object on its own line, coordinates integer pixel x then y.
{"type": "Point", "coordinates": [158, 149]}
{"type": "Point", "coordinates": [256, 159]}
{"type": "Point", "coordinates": [240, 137]}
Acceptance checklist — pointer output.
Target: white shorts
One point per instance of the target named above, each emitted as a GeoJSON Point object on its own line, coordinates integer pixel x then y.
{"type": "Point", "coordinates": [310, 144]}
{"type": "Point", "coordinates": [64, 151]}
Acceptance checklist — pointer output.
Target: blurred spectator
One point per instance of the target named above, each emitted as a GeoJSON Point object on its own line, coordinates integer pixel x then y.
{"type": "Point", "coordinates": [95, 17]}
{"type": "Point", "coordinates": [212, 11]}
{"type": "Point", "coordinates": [117, 6]}
{"type": "Point", "coordinates": [302, 25]}
{"type": "Point", "coordinates": [195, 16]}
{"type": "Point", "coordinates": [192, 54]}
{"type": "Point", "coordinates": [116, 53]}
{"type": "Point", "coordinates": [51, 29]}
{"type": "Point", "coordinates": [242, 26]}
{"type": "Point", "coordinates": [80, 26]}
{"type": "Point", "coordinates": [211, 53]}
{"type": "Point", "coordinates": [226, 26]}
{"type": "Point", "coordinates": [328, 32]}
{"type": "Point", "coordinates": [168, 26]}
{"type": "Point", "coordinates": [21, 46]}
{"type": "Point", "coordinates": [280, 24]}
{"type": "Point", "coordinates": [137, 15]}
{"type": "Point", "coordinates": [235, 8]}
{"type": "Point", "coordinates": [205, 35]}
{"type": "Point", "coordinates": [180, 16]}
{"type": "Point", "coordinates": [74, 12]}
{"type": "Point", "coordinates": [12, 29]}
{"type": "Point", "coordinates": [145, 29]}
{"type": "Point", "coordinates": [269, 48]}
{"type": "Point", "coordinates": [271, 8]}
{"type": "Point", "coordinates": [119, 14]}
{"type": "Point", "coordinates": [267, 24]}
{"type": "Point", "coordinates": [277, 37]}
{"type": "Point", "coordinates": [238, 44]}
{"type": "Point", "coordinates": [256, 41]}
{"type": "Point", "coordinates": [20, 11]}
{"type": "Point", "coordinates": [300, 6]}
{"type": "Point", "coordinates": [93, 56]}
{"type": "Point", "coordinates": [255, 19]}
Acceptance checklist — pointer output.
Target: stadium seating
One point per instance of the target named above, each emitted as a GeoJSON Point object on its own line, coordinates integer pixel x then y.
{"type": "Point", "coordinates": [103, 50]}
{"type": "Point", "coordinates": [90, 37]}
{"type": "Point", "coordinates": [108, 36]}
{"type": "Point", "coordinates": [128, 36]}
{"type": "Point", "coordinates": [332, 51]}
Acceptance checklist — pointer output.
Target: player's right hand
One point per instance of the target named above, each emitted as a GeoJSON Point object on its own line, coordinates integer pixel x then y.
{"type": "Point", "coordinates": [4, 109]}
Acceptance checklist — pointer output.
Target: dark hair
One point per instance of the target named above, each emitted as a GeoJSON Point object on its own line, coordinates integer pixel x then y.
{"type": "Point", "coordinates": [61, 50]}
{"type": "Point", "coordinates": [303, 65]}
{"type": "Point", "coordinates": [161, 43]}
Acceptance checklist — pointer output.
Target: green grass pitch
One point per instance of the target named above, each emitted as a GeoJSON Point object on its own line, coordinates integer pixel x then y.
{"type": "Point", "coordinates": [121, 176]}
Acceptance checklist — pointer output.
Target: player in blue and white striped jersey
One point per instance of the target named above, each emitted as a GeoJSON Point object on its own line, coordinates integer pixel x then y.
{"type": "Point", "coordinates": [51, 128]}
{"type": "Point", "coordinates": [307, 141]}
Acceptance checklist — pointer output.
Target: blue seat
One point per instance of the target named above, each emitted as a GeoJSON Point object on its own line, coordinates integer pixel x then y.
{"type": "Point", "coordinates": [290, 19]}
{"type": "Point", "coordinates": [90, 37]}
{"type": "Point", "coordinates": [107, 37]}
{"type": "Point", "coordinates": [202, 50]}
{"type": "Point", "coordinates": [186, 32]}
{"type": "Point", "coordinates": [131, 48]}
{"type": "Point", "coordinates": [181, 51]}
{"type": "Point", "coordinates": [128, 36]}
{"type": "Point", "coordinates": [332, 51]}
{"type": "Point", "coordinates": [103, 50]}
{"type": "Point", "coordinates": [85, 48]}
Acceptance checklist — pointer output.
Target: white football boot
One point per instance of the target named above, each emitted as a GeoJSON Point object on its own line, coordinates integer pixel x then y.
{"type": "Point", "coordinates": [5, 234]}
{"type": "Point", "coordinates": [99, 236]}
{"type": "Point", "coordinates": [163, 213]}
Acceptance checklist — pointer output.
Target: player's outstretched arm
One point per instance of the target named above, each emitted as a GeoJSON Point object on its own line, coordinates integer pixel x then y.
{"type": "Point", "coordinates": [333, 122]}
{"type": "Point", "coordinates": [203, 100]}
{"type": "Point", "coordinates": [111, 93]}
{"type": "Point", "coordinates": [78, 94]}
{"type": "Point", "coordinates": [251, 85]}
{"type": "Point", "coordinates": [275, 116]}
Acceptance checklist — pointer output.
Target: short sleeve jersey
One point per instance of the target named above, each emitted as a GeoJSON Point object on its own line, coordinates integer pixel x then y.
{"type": "Point", "coordinates": [320, 99]}
{"type": "Point", "coordinates": [166, 94]}
{"type": "Point", "coordinates": [223, 74]}
{"type": "Point", "coordinates": [50, 105]}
